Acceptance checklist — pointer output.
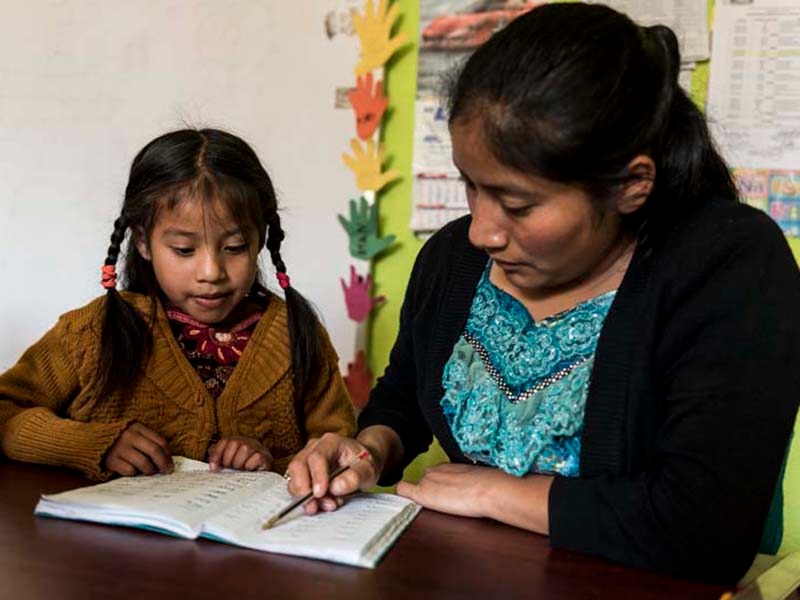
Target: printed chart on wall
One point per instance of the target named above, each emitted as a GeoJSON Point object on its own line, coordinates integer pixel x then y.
{"type": "Point", "coordinates": [754, 102]}
{"type": "Point", "coordinates": [449, 31]}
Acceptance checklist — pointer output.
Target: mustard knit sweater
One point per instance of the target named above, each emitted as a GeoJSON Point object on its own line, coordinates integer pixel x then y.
{"type": "Point", "coordinates": [49, 413]}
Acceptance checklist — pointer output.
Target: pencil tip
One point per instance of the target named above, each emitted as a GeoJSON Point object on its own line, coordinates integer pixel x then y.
{"type": "Point", "coordinates": [269, 523]}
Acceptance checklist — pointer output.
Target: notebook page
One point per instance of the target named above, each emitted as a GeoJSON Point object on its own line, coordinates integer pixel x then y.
{"type": "Point", "coordinates": [346, 535]}
{"type": "Point", "coordinates": [188, 497]}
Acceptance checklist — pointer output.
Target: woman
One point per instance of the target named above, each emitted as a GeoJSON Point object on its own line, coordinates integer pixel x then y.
{"type": "Point", "coordinates": [607, 348]}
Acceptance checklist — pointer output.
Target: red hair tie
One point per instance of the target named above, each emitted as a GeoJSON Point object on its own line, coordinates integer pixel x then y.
{"type": "Point", "coordinates": [283, 280]}
{"type": "Point", "coordinates": [108, 277]}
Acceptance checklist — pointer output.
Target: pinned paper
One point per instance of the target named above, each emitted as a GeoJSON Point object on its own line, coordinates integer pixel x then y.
{"type": "Point", "coordinates": [362, 228]}
{"type": "Point", "coordinates": [357, 296]}
{"type": "Point", "coordinates": [358, 380]}
{"type": "Point", "coordinates": [366, 165]}
{"type": "Point", "coordinates": [374, 29]}
{"type": "Point", "coordinates": [368, 105]}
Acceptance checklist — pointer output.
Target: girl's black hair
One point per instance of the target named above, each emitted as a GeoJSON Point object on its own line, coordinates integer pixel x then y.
{"type": "Point", "coordinates": [208, 164]}
{"type": "Point", "coordinates": [573, 92]}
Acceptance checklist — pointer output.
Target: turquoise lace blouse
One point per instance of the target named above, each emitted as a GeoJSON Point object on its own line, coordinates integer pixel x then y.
{"type": "Point", "coordinates": [515, 389]}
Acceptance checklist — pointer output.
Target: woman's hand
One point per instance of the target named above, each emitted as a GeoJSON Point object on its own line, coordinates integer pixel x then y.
{"type": "Point", "coordinates": [311, 467]}
{"type": "Point", "coordinates": [472, 491]}
{"type": "Point", "coordinates": [137, 450]}
{"type": "Point", "coordinates": [454, 489]}
{"type": "Point", "coordinates": [244, 454]}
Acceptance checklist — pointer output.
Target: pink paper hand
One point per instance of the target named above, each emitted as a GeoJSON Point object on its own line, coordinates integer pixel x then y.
{"type": "Point", "coordinates": [357, 296]}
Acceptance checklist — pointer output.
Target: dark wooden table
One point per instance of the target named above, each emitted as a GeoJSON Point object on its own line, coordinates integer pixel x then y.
{"type": "Point", "coordinates": [438, 556]}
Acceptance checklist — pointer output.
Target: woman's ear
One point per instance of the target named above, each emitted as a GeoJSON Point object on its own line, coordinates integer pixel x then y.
{"type": "Point", "coordinates": [140, 239]}
{"type": "Point", "coordinates": [635, 193]}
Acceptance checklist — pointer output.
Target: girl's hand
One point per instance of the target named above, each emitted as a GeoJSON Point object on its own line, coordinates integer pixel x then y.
{"type": "Point", "coordinates": [245, 454]}
{"type": "Point", "coordinates": [311, 466]}
{"type": "Point", "coordinates": [454, 489]}
{"type": "Point", "coordinates": [139, 450]}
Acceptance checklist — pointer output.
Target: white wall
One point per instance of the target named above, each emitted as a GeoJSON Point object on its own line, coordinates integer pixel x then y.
{"type": "Point", "coordinates": [84, 84]}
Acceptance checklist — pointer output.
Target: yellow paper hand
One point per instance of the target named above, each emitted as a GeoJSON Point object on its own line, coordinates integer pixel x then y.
{"type": "Point", "coordinates": [366, 165]}
{"type": "Point", "coordinates": [375, 30]}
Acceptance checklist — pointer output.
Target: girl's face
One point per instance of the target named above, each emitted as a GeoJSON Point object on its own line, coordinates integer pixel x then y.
{"type": "Point", "coordinates": [543, 235]}
{"type": "Point", "coordinates": [203, 262]}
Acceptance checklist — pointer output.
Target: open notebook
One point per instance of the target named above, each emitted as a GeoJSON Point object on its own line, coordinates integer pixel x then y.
{"type": "Point", "coordinates": [230, 507]}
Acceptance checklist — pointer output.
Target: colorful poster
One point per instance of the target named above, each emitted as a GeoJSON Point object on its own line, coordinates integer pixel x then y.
{"type": "Point", "coordinates": [776, 192]}
{"type": "Point", "coordinates": [784, 201]}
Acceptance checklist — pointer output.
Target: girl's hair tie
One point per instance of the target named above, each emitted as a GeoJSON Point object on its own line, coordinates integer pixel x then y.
{"type": "Point", "coordinates": [108, 277]}
{"type": "Point", "coordinates": [283, 280]}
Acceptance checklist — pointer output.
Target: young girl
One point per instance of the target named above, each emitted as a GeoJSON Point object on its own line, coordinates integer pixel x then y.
{"type": "Point", "coordinates": [195, 357]}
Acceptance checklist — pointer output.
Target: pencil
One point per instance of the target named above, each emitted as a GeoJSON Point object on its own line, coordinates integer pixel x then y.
{"type": "Point", "coordinates": [302, 499]}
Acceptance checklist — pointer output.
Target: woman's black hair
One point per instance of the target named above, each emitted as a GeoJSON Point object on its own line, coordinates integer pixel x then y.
{"type": "Point", "coordinates": [573, 92]}
{"type": "Point", "coordinates": [211, 165]}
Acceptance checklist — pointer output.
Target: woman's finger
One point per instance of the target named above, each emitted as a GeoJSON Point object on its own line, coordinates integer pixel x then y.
{"type": "Point", "coordinates": [311, 507]}
{"type": "Point", "coordinates": [318, 468]}
{"type": "Point", "coordinates": [348, 482]}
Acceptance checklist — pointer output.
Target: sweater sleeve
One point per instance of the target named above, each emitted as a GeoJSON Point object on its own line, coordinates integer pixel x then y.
{"type": "Point", "coordinates": [393, 401]}
{"type": "Point", "coordinates": [725, 388]}
{"type": "Point", "coordinates": [35, 393]}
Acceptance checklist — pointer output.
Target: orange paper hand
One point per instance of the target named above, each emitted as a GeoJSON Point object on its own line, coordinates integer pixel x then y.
{"type": "Point", "coordinates": [369, 107]}
{"type": "Point", "coordinates": [366, 165]}
{"type": "Point", "coordinates": [358, 380]}
{"type": "Point", "coordinates": [375, 31]}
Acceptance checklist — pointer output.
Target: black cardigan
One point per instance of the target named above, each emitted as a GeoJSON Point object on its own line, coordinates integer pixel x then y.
{"type": "Point", "coordinates": [692, 398]}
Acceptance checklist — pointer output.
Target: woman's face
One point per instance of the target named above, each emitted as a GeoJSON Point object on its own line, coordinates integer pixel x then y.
{"type": "Point", "coordinates": [544, 235]}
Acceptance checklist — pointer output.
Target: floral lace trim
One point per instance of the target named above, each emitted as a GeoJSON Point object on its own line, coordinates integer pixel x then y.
{"type": "Point", "coordinates": [523, 352]}
{"type": "Point", "coordinates": [515, 389]}
{"type": "Point", "coordinates": [504, 387]}
{"type": "Point", "coordinates": [540, 435]}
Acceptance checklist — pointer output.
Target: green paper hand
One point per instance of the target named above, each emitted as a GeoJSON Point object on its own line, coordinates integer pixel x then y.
{"type": "Point", "coordinates": [374, 29]}
{"type": "Point", "coordinates": [362, 228]}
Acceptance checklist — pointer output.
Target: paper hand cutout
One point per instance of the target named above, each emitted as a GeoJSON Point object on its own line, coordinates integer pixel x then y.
{"type": "Point", "coordinates": [375, 31]}
{"type": "Point", "coordinates": [357, 296]}
{"type": "Point", "coordinates": [369, 107]}
{"type": "Point", "coordinates": [358, 380]}
{"type": "Point", "coordinates": [363, 231]}
{"type": "Point", "coordinates": [367, 166]}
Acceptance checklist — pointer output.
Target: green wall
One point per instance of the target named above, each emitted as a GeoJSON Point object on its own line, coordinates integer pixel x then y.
{"type": "Point", "coordinates": [391, 271]}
